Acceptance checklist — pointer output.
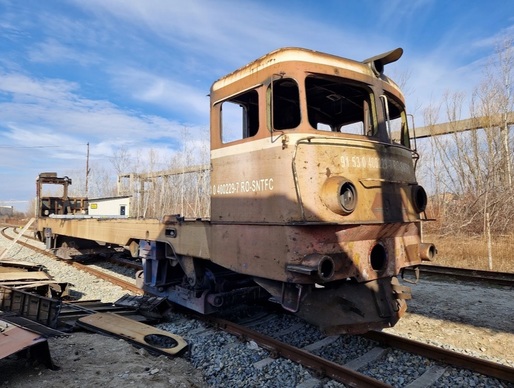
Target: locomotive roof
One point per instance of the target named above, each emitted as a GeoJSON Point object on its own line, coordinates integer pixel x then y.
{"type": "Point", "coordinates": [295, 54]}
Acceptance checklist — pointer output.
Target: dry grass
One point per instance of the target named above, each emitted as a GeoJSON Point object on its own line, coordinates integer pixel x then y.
{"type": "Point", "coordinates": [471, 252]}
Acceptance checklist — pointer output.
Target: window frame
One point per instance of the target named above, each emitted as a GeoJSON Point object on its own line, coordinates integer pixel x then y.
{"type": "Point", "coordinates": [369, 122]}
{"type": "Point", "coordinates": [249, 127]}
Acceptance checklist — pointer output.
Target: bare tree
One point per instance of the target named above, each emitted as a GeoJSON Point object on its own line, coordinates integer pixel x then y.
{"type": "Point", "coordinates": [473, 167]}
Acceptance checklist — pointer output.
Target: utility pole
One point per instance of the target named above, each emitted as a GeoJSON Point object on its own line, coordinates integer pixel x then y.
{"type": "Point", "coordinates": [506, 154]}
{"type": "Point", "coordinates": [87, 170]}
{"type": "Point", "coordinates": [506, 149]}
{"type": "Point", "coordinates": [506, 59]}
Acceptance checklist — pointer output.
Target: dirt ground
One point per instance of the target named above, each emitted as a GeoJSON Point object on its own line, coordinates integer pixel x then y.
{"type": "Point", "coordinates": [94, 360]}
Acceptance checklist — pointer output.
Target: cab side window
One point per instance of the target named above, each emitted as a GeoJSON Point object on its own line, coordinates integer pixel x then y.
{"type": "Point", "coordinates": [286, 104]}
{"type": "Point", "coordinates": [240, 117]}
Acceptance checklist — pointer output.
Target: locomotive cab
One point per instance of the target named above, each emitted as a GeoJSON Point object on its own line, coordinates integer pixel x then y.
{"type": "Point", "coordinates": [313, 185]}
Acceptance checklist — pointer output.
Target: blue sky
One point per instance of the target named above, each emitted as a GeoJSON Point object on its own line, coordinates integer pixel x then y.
{"type": "Point", "coordinates": [136, 74]}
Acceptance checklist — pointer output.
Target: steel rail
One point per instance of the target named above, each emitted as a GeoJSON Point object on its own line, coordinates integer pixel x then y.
{"type": "Point", "coordinates": [105, 276]}
{"type": "Point", "coordinates": [100, 274]}
{"type": "Point", "coordinates": [501, 278]}
{"type": "Point", "coordinates": [25, 235]}
{"type": "Point", "coordinates": [125, 263]}
{"type": "Point", "coordinates": [488, 368]}
{"type": "Point", "coordinates": [490, 277]}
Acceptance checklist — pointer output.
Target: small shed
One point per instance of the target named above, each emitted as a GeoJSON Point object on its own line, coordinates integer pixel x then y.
{"type": "Point", "coordinates": [6, 210]}
{"type": "Point", "coordinates": [110, 206]}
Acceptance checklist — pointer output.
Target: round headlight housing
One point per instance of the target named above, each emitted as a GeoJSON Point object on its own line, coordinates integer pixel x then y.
{"type": "Point", "coordinates": [419, 198]}
{"type": "Point", "coordinates": [339, 195]}
{"type": "Point", "coordinates": [348, 197]}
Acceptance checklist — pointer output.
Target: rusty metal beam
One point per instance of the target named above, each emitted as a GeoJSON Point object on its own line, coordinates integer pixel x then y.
{"type": "Point", "coordinates": [31, 306]}
{"type": "Point", "coordinates": [163, 173]}
{"type": "Point", "coordinates": [139, 178]}
{"type": "Point", "coordinates": [485, 122]}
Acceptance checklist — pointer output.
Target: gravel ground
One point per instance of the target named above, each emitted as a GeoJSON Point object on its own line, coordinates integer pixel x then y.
{"type": "Point", "coordinates": [457, 316]}
{"type": "Point", "coordinates": [476, 320]}
{"type": "Point", "coordinates": [84, 285]}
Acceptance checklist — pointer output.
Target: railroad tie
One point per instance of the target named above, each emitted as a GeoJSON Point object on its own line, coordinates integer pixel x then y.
{"type": "Point", "coordinates": [430, 376]}
{"type": "Point", "coordinates": [366, 358]}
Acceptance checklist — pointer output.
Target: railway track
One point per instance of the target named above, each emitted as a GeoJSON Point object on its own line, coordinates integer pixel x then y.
{"type": "Point", "coordinates": [83, 267]}
{"type": "Point", "coordinates": [475, 275]}
{"type": "Point", "coordinates": [452, 358]}
{"type": "Point", "coordinates": [325, 368]}
{"type": "Point", "coordinates": [279, 345]}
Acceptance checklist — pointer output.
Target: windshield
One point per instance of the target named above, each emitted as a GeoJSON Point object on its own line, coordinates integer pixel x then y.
{"type": "Point", "coordinates": [337, 105]}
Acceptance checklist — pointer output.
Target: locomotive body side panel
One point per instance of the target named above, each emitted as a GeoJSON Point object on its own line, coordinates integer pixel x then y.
{"type": "Point", "coordinates": [253, 185]}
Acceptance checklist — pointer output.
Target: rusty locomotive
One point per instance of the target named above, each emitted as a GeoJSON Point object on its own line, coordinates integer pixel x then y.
{"type": "Point", "coordinates": [314, 199]}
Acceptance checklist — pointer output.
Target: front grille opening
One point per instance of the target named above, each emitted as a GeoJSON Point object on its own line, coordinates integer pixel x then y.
{"type": "Point", "coordinates": [378, 257]}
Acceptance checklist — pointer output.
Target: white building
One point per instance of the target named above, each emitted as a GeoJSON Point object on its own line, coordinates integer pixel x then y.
{"type": "Point", "coordinates": [6, 210]}
{"type": "Point", "coordinates": [110, 206]}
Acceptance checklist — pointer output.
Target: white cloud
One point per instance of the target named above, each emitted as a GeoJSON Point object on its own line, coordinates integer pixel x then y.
{"type": "Point", "coordinates": [45, 106]}
{"type": "Point", "coordinates": [25, 88]}
{"type": "Point", "coordinates": [228, 32]}
{"type": "Point", "coordinates": [53, 51]}
{"type": "Point", "coordinates": [170, 93]}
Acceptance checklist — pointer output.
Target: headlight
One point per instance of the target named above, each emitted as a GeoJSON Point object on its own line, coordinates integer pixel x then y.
{"type": "Point", "coordinates": [339, 195]}
{"type": "Point", "coordinates": [348, 197]}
